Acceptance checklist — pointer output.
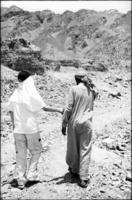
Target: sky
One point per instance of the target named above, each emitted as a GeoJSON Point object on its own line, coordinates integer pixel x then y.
{"type": "Point", "coordinates": [61, 6]}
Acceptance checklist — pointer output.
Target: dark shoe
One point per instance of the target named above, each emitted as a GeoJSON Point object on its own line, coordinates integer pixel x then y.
{"type": "Point", "coordinates": [74, 175]}
{"type": "Point", "coordinates": [21, 184]}
{"type": "Point", "coordinates": [84, 183]}
{"type": "Point", "coordinates": [14, 183]}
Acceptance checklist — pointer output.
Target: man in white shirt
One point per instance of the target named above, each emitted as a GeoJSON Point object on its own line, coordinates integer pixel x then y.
{"type": "Point", "coordinates": [24, 104]}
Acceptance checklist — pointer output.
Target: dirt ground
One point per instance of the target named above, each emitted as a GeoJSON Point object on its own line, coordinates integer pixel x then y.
{"type": "Point", "coordinates": [111, 153]}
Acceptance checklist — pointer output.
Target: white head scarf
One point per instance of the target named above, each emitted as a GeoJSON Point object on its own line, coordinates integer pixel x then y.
{"type": "Point", "coordinates": [27, 95]}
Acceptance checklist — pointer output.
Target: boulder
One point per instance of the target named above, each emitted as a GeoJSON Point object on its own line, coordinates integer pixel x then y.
{"type": "Point", "coordinates": [101, 67]}
{"type": "Point", "coordinates": [20, 54]}
{"type": "Point", "coordinates": [96, 66]}
{"type": "Point", "coordinates": [109, 143]}
{"type": "Point", "coordinates": [115, 94]}
{"type": "Point", "coordinates": [55, 66]}
{"type": "Point", "coordinates": [73, 63]}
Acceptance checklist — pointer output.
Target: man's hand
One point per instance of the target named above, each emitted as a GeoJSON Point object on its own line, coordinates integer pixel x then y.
{"type": "Point", "coordinates": [63, 130]}
{"type": "Point", "coordinates": [12, 119]}
{"type": "Point", "coordinates": [62, 110]}
{"type": "Point", "coordinates": [90, 115]}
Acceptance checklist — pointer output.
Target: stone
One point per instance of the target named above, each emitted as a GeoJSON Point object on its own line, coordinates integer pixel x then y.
{"type": "Point", "coordinates": [119, 147]}
{"type": "Point", "coordinates": [99, 155]}
{"type": "Point", "coordinates": [118, 78]}
{"type": "Point", "coordinates": [102, 191]}
{"type": "Point", "coordinates": [128, 178]}
{"type": "Point", "coordinates": [128, 122]}
{"type": "Point", "coordinates": [117, 165]}
{"type": "Point", "coordinates": [115, 94]}
{"type": "Point", "coordinates": [109, 143]}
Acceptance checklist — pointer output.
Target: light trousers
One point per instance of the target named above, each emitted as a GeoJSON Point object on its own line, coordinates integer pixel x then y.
{"type": "Point", "coordinates": [24, 142]}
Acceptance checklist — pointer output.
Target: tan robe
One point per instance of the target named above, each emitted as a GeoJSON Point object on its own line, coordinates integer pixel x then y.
{"type": "Point", "coordinates": [78, 141]}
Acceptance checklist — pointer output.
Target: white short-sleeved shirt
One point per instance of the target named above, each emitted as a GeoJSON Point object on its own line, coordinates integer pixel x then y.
{"type": "Point", "coordinates": [25, 121]}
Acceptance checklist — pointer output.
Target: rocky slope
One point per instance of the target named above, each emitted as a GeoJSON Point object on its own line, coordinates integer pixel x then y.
{"type": "Point", "coordinates": [110, 167]}
{"type": "Point", "coordinates": [84, 35]}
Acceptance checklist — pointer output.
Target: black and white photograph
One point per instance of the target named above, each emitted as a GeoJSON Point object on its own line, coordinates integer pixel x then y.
{"type": "Point", "coordinates": [65, 100]}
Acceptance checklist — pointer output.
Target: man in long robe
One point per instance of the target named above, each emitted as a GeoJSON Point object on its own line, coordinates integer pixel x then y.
{"type": "Point", "coordinates": [79, 138]}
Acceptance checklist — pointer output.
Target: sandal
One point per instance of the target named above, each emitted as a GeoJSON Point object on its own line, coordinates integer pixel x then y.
{"type": "Point", "coordinates": [84, 183]}
{"type": "Point", "coordinates": [21, 183]}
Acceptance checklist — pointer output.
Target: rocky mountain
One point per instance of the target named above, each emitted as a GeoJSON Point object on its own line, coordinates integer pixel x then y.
{"type": "Point", "coordinates": [83, 36]}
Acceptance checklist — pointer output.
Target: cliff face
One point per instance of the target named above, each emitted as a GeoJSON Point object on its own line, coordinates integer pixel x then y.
{"type": "Point", "coordinates": [84, 35]}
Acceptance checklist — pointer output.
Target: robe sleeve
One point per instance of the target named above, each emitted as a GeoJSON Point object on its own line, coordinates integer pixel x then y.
{"type": "Point", "coordinates": [68, 108]}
